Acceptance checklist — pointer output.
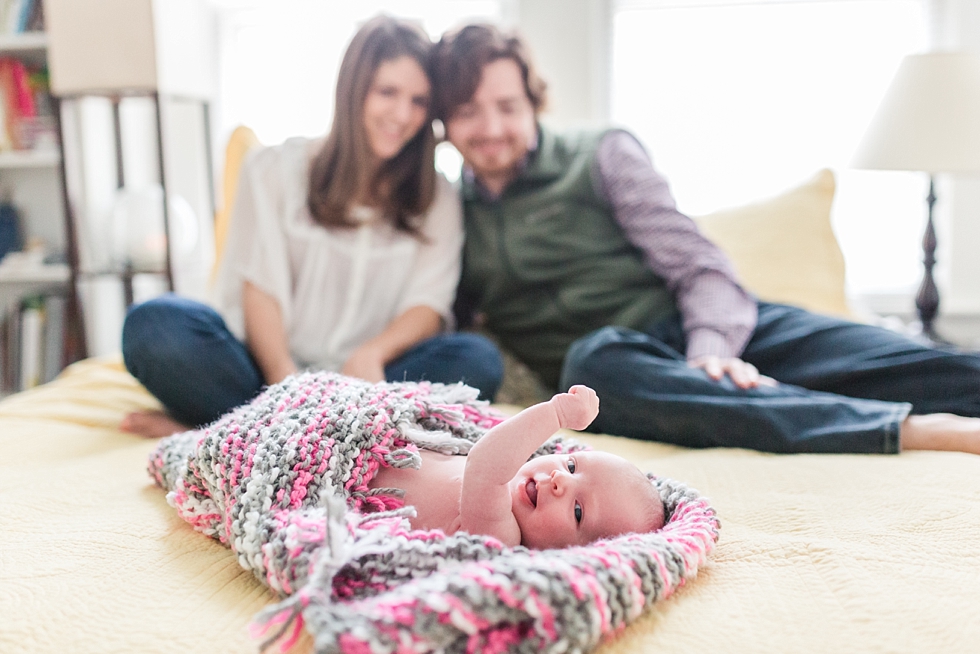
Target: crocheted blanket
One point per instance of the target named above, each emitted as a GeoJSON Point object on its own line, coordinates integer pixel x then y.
{"type": "Point", "coordinates": [283, 481]}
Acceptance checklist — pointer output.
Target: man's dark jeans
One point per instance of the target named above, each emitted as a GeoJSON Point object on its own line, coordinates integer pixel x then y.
{"type": "Point", "coordinates": [843, 386]}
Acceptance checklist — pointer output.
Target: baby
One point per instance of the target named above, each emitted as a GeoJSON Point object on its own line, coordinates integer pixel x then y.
{"type": "Point", "coordinates": [551, 501]}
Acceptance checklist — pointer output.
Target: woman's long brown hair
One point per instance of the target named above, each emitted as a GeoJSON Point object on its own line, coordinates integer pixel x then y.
{"type": "Point", "coordinates": [402, 187]}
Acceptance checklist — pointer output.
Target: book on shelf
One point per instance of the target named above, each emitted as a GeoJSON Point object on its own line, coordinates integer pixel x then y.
{"type": "Point", "coordinates": [18, 16]}
{"type": "Point", "coordinates": [26, 114]}
{"type": "Point", "coordinates": [26, 111]}
{"type": "Point", "coordinates": [32, 343]}
{"type": "Point", "coordinates": [53, 349]}
{"type": "Point", "coordinates": [10, 353]}
{"type": "Point", "coordinates": [11, 230]}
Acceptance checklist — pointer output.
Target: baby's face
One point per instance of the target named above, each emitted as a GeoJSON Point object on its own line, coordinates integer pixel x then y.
{"type": "Point", "coordinates": [561, 500]}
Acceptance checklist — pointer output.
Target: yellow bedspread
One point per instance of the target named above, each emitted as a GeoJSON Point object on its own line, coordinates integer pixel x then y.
{"type": "Point", "coordinates": [817, 553]}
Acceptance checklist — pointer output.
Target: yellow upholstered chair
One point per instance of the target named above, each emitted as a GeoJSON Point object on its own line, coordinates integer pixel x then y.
{"type": "Point", "coordinates": [241, 141]}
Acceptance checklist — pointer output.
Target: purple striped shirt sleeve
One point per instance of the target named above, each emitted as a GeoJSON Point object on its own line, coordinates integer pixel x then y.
{"type": "Point", "coordinates": [718, 314]}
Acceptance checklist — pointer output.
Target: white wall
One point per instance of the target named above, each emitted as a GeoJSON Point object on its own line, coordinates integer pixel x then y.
{"type": "Point", "coordinates": [571, 44]}
{"type": "Point", "coordinates": [955, 25]}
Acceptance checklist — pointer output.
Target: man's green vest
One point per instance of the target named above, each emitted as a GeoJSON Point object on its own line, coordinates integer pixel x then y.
{"type": "Point", "coordinates": [547, 262]}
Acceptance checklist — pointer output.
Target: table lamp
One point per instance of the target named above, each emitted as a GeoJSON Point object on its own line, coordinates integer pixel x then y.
{"type": "Point", "coordinates": [929, 120]}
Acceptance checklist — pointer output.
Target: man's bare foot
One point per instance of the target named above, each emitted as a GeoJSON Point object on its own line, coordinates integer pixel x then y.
{"type": "Point", "coordinates": [151, 424]}
{"type": "Point", "coordinates": [941, 431]}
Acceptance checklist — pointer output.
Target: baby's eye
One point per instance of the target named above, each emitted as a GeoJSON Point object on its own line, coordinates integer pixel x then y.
{"type": "Point", "coordinates": [578, 513]}
{"type": "Point", "coordinates": [571, 465]}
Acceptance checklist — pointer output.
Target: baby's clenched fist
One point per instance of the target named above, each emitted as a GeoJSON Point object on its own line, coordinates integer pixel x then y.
{"type": "Point", "coordinates": [577, 408]}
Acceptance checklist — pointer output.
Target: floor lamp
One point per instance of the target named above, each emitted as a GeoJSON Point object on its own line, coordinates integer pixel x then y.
{"type": "Point", "coordinates": [133, 79]}
{"type": "Point", "coordinates": [929, 121]}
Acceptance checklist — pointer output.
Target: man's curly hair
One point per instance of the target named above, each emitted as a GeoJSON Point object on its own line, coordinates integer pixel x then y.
{"type": "Point", "coordinates": [459, 59]}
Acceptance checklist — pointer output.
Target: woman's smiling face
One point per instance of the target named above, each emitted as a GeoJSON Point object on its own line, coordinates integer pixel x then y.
{"type": "Point", "coordinates": [561, 500]}
{"type": "Point", "coordinates": [396, 106]}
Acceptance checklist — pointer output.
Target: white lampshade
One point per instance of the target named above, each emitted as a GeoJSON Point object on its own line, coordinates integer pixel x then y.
{"type": "Point", "coordinates": [106, 46]}
{"type": "Point", "coordinates": [929, 119]}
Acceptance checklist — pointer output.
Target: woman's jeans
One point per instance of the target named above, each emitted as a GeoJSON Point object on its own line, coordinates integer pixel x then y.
{"type": "Point", "coordinates": [843, 386]}
{"type": "Point", "coordinates": [184, 354]}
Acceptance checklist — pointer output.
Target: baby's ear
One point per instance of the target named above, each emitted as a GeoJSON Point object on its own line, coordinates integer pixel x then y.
{"type": "Point", "coordinates": [657, 513]}
{"type": "Point", "coordinates": [661, 517]}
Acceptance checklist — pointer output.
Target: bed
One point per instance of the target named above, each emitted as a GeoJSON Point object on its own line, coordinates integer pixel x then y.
{"type": "Point", "coordinates": [817, 552]}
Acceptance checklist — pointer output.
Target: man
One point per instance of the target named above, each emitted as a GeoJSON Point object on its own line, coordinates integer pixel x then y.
{"type": "Point", "coordinates": [583, 268]}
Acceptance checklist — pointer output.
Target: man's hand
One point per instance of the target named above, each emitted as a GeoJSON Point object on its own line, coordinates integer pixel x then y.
{"type": "Point", "coordinates": [742, 374]}
{"type": "Point", "coordinates": [577, 408]}
{"type": "Point", "coordinates": [365, 363]}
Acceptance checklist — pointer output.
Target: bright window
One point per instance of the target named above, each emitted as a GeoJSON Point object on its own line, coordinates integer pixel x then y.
{"type": "Point", "coordinates": [740, 100]}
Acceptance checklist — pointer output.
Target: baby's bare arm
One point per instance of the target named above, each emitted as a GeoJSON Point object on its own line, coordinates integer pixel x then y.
{"type": "Point", "coordinates": [485, 505]}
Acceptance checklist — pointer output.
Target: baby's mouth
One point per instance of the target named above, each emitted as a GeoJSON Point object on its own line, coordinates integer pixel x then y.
{"type": "Point", "coordinates": [532, 492]}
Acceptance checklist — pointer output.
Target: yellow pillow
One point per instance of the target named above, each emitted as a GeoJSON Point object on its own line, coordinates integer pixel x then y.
{"type": "Point", "coordinates": [784, 249]}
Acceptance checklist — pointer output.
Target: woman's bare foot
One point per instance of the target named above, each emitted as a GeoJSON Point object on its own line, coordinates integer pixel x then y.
{"type": "Point", "coordinates": [151, 424]}
{"type": "Point", "coordinates": [941, 431]}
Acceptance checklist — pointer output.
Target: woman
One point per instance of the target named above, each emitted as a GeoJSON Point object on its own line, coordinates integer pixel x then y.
{"type": "Point", "coordinates": [342, 254]}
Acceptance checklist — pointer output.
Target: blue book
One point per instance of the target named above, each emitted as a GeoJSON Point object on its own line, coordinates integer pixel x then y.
{"type": "Point", "coordinates": [25, 15]}
{"type": "Point", "coordinates": [11, 237]}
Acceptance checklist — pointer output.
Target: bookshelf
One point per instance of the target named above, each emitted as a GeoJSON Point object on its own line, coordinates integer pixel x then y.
{"type": "Point", "coordinates": [28, 44]}
{"type": "Point", "coordinates": [130, 84]}
{"type": "Point", "coordinates": [34, 284]}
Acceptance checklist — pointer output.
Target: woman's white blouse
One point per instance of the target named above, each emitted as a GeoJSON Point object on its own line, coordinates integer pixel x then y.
{"type": "Point", "coordinates": [336, 288]}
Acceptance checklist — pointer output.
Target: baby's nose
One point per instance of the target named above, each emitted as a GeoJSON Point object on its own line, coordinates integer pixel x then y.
{"type": "Point", "coordinates": [558, 480]}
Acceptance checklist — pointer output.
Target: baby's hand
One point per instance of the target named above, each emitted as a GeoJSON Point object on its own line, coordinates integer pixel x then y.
{"type": "Point", "coordinates": [577, 408]}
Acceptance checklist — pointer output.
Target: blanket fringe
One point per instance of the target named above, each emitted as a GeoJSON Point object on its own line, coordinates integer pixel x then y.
{"type": "Point", "coordinates": [283, 616]}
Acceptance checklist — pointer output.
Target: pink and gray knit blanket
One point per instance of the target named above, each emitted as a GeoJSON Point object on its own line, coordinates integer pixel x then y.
{"type": "Point", "coordinates": [283, 481]}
